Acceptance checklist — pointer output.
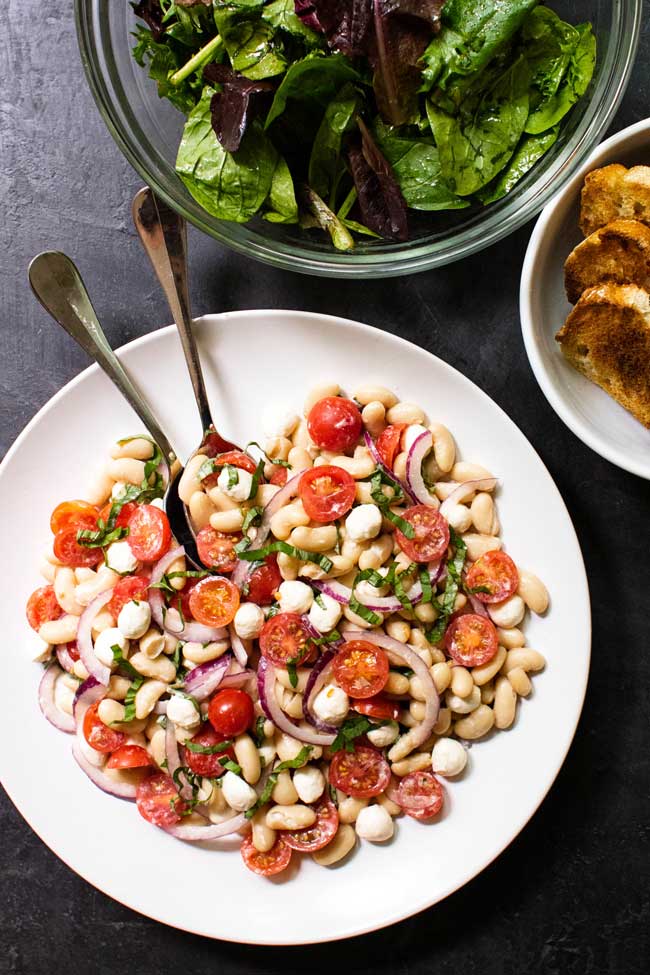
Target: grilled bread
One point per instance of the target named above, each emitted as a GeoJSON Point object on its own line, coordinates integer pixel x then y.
{"type": "Point", "coordinates": [614, 193]}
{"type": "Point", "coordinates": [607, 338]}
{"type": "Point", "coordinates": [619, 252]}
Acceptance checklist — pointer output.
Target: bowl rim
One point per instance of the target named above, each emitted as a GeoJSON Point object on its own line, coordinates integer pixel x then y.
{"type": "Point", "coordinates": [419, 257]}
{"type": "Point", "coordinates": [599, 443]}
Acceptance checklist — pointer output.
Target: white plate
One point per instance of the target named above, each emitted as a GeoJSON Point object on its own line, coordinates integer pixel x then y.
{"type": "Point", "coordinates": [587, 410]}
{"type": "Point", "coordinates": [253, 356]}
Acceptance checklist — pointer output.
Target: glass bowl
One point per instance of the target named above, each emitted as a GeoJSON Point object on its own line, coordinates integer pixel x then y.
{"type": "Point", "coordinates": [148, 130]}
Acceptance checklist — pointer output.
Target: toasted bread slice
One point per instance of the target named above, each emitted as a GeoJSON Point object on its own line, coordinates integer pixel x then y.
{"type": "Point", "coordinates": [607, 338]}
{"type": "Point", "coordinates": [618, 252]}
{"type": "Point", "coordinates": [614, 193]}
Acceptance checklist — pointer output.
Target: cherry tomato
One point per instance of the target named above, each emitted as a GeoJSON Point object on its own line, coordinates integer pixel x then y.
{"type": "Point", "coordinates": [181, 601]}
{"type": "Point", "coordinates": [42, 606]}
{"type": "Point", "coordinates": [379, 707]}
{"type": "Point", "coordinates": [236, 458]}
{"type": "Point", "coordinates": [126, 589]}
{"type": "Point", "coordinates": [129, 756]}
{"type": "Point", "coordinates": [361, 669]}
{"type": "Point", "coordinates": [334, 423]}
{"type": "Point", "coordinates": [284, 638]}
{"type": "Point", "coordinates": [150, 534]}
{"type": "Point", "coordinates": [158, 801]}
{"type": "Point", "coordinates": [214, 601]}
{"type": "Point", "coordinates": [471, 640]}
{"type": "Point", "coordinates": [266, 864]}
{"type": "Point", "coordinates": [319, 834]}
{"type": "Point", "coordinates": [68, 550]}
{"type": "Point", "coordinates": [217, 549]}
{"type": "Point", "coordinates": [431, 534]}
{"type": "Point", "coordinates": [388, 443]}
{"type": "Point", "coordinates": [326, 492]}
{"type": "Point", "coordinates": [73, 650]}
{"type": "Point", "coordinates": [496, 572]}
{"type": "Point", "coordinates": [362, 773]}
{"type": "Point", "coordinates": [264, 581]}
{"type": "Point", "coordinates": [231, 712]}
{"type": "Point", "coordinates": [73, 514]}
{"type": "Point", "coordinates": [98, 735]}
{"type": "Point", "coordinates": [279, 476]}
{"type": "Point", "coordinates": [122, 519]}
{"type": "Point", "coordinates": [420, 795]}
{"type": "Point", "coordinates": [208, 765]}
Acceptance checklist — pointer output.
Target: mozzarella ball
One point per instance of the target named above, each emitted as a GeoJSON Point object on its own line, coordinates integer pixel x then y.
{"type": "Point", "coordinates": [238, 794]}
{"type": "Point", "coordinates": [309, 783]}
{"type": "Point", "coordinates": [112, 637]}
{"type": "Point", "coordinates": [363, 523]}
{"type": "Point", "coordinates": [448, 757]}
{"type": "Point", "coordinates": [411, 434]}
{"type": "Point", "coordinates": [181, 712]}
{"type": "Point", "coordinates": [459, 517]}
{"type": "Point", "coordinates": [240, 490]}
{"type": "Point", "coordinates": [120, 558]}
{"type": "Point", "coordinates": [295, 597]}
{"type": "Point", "coordinates": [134, 619]}
{"type": "Point", "coordinates": [331, 704]}
{"type": "Point", "coordinates": [158, 503]}
{"type": "Point", "coordinates": [325, 617]}
{"type": "Point", "coordinates": [279, 420]}
{"type": "Point", "coordinates": [384, 735]}
{"type": "Point", "coordinates": [374, 824]}
{"type": "Point", "coordinates": [248, 622]}
{"type": "Point", "coordinates": [118, 490]}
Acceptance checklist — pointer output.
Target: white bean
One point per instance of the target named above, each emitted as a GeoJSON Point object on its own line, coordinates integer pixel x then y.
{"type": "Point", "coordinates": [160, 668]}
{"type": "Point", "coordinates": [481, 675]}
{"type": "Point", "coordinates": [227, 521]}
{"type": "Point", "coordinates": [342, 844]}
{"type": "Point", "coordinates": [443, 447]}
{"type": "Point", "coordinates": [405, 413]}
{"type": "Point", "coordinates": [201, 507]}
{"type": "Point", "coordinates": [196, 653]}
{"type": "Point", "coordinates": [505, 703]}
{"type": "Point", "coordinates": [369, 393]}
{"type": "Point", "coordinates": [520, 681]}
{"type": "Point", "coordinates": [189, 482]}
{"type": "Point", "coordinates": [321, 391]}
{"type": "Point", "coordinates": [374, 418]}
{"type": "Point", "coordinates": [137, 447]}
{"type": "Point", "coordinates": [524, 657]}
{"type": "Point", "coordinates": [262, 835]}
{"type": "Point", "coordinates": [248, 757]}
{"type": "Point", "coordinates": [508, 613]}
{"type": "Point", "coordinates": [478, 545]}
{"type": "Point", "coordinates": [483, 516]}
{"type": "Point", "coordinates": [126, 469]}
{"type": "Point", "coordinates": [64, 587]}
{"type": "Point", "coordinates": [147, 696]}
{"type": "Point", "coordinates": [287, 518]}
{"type": "Point", "coordinates": [476, 724]}
{"type": "Point", "coordinates": [63, 630]}
{"type": "Point", "coordinates": [533, 591]}
{"type": "Point", "coordinates": [99, 489]}
{"type": "Point", "coordinates": [463, 471]}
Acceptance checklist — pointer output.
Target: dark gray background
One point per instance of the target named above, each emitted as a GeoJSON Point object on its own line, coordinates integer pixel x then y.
{"type": "Point", "coordinates": [570, 896]}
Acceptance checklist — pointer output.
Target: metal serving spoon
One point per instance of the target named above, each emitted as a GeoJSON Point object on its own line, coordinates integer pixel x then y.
{"type": "Point", "coordinates": [57, 284]}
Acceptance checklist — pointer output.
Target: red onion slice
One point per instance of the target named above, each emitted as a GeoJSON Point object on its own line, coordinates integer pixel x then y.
{"type": "Point", "coordinates": [238, 648]}
{"type": "Point", "coordinates": [380, 604]}
{"type": "Point", "coordinates": [203, 680]}
{"type": "Point", "coordinates": [317, 679]}
{"type": "Point", "coordinates": [376, 456]}
{"type": "Point", "coordinates": [192, 632]}
{"type": "Point", "coordinates": [464, 490]}
{"type": "Point", "coordinates": [273, 711]}
{"type": "Point", "coordinates": [197, 834]}
{"type": "Point", "coordinates": [420, 447]}
{"type": "Point", "coordinates": [64, 658]}
{"type": "Point", "coordinates": [286, 492]}
{"type": "Point", "coordinates": [403, 654]}
{"type": "Point", "coordinates": [478, 606]}
{"type": "Point", "coordinates": [122, 790]}
{"type": "Point", "coordinates": [238, 680]}
{"type": "Point", "coordinates": [57, 717]}
{"type": "Point", "coordinates": [95, 667]}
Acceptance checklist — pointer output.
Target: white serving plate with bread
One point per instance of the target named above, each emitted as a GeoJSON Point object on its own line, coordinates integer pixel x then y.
{"type": "Point", "coordinates": [608, 334]}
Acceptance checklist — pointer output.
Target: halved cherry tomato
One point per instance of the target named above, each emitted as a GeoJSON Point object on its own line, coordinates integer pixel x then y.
{"type": "Point", "coordinates": [284, 638]}
{"type": "Point", "coordinates": [68, 550]}
{"type": "Point", "coordinates": [129, 756]}
{"type": "Point", "coordinates": [231, 712]}
{"type": "Point", "coordinates": [420, 795]}
{"type": "Point", "coordinates": [122, 519]}
{"type": "Point", "coordinates": [279, 476]}
{"type": "Point", "coordinates": [361, 669]}
{"type": "Point", "coordinates": [181, 601]}
{"type": "Point", "coordinates": [217, 549]}
{"type": "Point", "coordinates": [208, 765]}
{"type": "Point", "coordinates": [388, 443]}
{"type": "Point", "coordinates": [42, 606]}
{"type": "Point", "coordinates": [319, 834]}
{"type": "Point", "coordinates": [98, 735]}
{"type": "Point", "coordinates": [431, 534]}
{"type": "Point", "coordinates": [496, 572]}
{"type": "Point", "coordinates": [126, 589]}
{"type": "Point", "coordinates": [334, 423]}
{"type": "Point", "coordinates": [471, 640]}
{"type": "Point", "coordinates": [326, 492]}
{"type": "Point", "coordinates": [150, 534]}
{"type": "Point", "coordinates": [264, 581]}
{"type": "Point", "coordinates": [214, 601]}
{"type": "Point", "coordinates": [73, 514]}
{"type": "Point", "coordinates": [362, 773]}
{"type": "Point", "coordinates": [236, 458]}
{"type": "Point", "coordinates": [158, 801]}
{"type": "Point", "coordinates": [379, 707]}
{"type": "Point", "coordinates": [266, 864]}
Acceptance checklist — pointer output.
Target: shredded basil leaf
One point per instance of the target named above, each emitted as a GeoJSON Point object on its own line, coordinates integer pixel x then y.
{"type": "Point", "coordinates": [242, 550]}
{"type": "Point", "coordinates": [252, 516]}
{"type": "Point", "coordinates": [265, 795]}
{"type": "Point", "coordinates": [129, 700]}
{"type": "Point", "coordinates": [258, 734]}
{"type": "Point", "coordinates": [366, 614]}
{"type": "Point", "coordinates": [318, 599]}
{"type": "Point", "coordinates": [453, 583]}
{"type": "Point", "coordinates": [350, 729]}
{"type": "Point", "coordinates": [270, 460]}
{"type": "Point", "coordinates": [427, 588]}
{"type": "Point", "coordinates": [257, 477]}
{"type": "Point", "coordinates": [376, 481]}
{"type": "Point", "coordinates": [293, 675]}
{"type": "Point", "coordinates": [230, 765]}
{"type": "Point", "coordinates": [222, 746]}
{"type": "Point", "coordinates": [123, 664]}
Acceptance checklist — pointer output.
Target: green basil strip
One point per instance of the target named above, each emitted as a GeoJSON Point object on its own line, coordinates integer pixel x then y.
{"type": "Point", "coordinates": [129, 700]}
{"type": "Point", "coordinates": [270, 460]}
{"type": "Point", "coordinates": [349, 730]}
{"type": "Point", "coordinates": [233, 475]}
{"type": "Point", "coordinates": [265, 795]}
{"type": "Point", "coordinates": [292, 672]}
{"type": "Point", "coordinates": [257, 477]}
{"type": "Point", "coordinates": [252, 516]}
{"type": "Point", "coordinates": [208, 749]}
{"type": "Point", "coordinates": [124, 665]}
{"type": "Point", "coordinates": [231, 766]}
{"type": "Point", "coordinates": [242, 550]}
{"type": "Point", "coordinates": [377, 480]}
{"type": "Point", "coordinates": [427, 588]}
{"type": "Point", "coordinates": [366, 614]}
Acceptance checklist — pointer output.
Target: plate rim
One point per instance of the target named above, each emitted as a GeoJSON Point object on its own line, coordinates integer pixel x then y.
{"type": "Point", "coordinates": [584, 596]}
{"type": "Point", "coordinates": [597, 442]}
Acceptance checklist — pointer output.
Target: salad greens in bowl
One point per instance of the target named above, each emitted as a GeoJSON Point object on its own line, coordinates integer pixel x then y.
{"type": "Point", "coordinates": [357, 137]}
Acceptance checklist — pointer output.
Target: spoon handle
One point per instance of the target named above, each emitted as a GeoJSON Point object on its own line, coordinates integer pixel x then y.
{"type": "Point", "coordinates": [57, 284]}
{"type": "Point", "coordinates": [164, 236]}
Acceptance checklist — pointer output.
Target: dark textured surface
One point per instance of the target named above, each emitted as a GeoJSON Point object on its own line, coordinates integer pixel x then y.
{"type": "Point", "coordinates": [570, 896]}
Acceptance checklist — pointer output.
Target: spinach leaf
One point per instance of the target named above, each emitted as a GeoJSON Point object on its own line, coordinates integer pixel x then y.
{"type": "Point", "coordinates": [162, 60]}
{"type": "Point", "coordinates": [313, 81]}
{"type": "Point", "coordinates": [530, 149]}
{"type": "Point", "coordinates": [231, 186]}
{"type": "Point", "coordinates": [557, 100]}
{"type": "Point", "coordinates": [281, 15]}
{"type": "Point", "coordinates": [250, 41]}
{"type": "Point", "coordinates": [416, 165]}
{"type": "Point", "coordinates": [282, 198]}
{"type": "Point", "coordinates": [325, 160]}
{"type": "Point", "coordinates": [479, 142]}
